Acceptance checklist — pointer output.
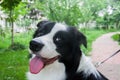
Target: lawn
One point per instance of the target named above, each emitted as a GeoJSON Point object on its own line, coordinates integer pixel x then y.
{"type": "Point", "coordinates": [14, 63]}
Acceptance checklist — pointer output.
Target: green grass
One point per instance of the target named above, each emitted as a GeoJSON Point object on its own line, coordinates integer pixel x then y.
{"type": "Point", "coordinates": [14, 64]}
{"type": "Point", "coordinates": [116, 37]}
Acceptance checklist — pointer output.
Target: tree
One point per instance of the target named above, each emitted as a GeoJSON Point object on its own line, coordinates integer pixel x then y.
{"type": "Point", "coordinates": [72, 12]}
{"type": "Point", "coordinates": [116, 13]}
{"type": "Point", "coordinates": [67, 11]}
{"type": "Point", "coordinates": [12, 8]}
{"type": "Point", "coordinates": [111, 20]}
{"type": "Point", "coordinates": [91, 8]}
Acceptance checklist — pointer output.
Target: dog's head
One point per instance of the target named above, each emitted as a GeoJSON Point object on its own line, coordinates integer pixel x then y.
{"type": "Point", "coordinates": [55, 41]}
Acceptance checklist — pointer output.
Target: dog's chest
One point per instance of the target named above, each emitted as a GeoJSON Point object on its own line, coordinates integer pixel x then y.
{"type": "Point", "coordinates": [55, 71]}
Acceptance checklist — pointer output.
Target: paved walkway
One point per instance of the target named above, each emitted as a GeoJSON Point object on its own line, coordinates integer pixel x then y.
{"type": "Point", "coordinates": [103, 47]}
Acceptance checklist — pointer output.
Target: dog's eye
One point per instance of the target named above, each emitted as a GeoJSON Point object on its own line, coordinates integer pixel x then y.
{"type": "Point", "coordinates": [58, 39]}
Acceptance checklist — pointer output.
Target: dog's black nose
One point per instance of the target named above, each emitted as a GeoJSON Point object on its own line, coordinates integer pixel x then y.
{"type": "Point", "coordinates": [36, 46]}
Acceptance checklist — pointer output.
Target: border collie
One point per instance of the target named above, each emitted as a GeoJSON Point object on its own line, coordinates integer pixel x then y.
{"type": "Point", "coordinates": [56, 54]}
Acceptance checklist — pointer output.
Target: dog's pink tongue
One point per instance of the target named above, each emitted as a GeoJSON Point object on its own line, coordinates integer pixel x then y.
{"type": "Point", "coordinates": [36, 64]}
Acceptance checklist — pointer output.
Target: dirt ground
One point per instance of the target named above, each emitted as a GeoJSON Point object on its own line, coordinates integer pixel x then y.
{"type": "Point", "coordinates": [102, 48]}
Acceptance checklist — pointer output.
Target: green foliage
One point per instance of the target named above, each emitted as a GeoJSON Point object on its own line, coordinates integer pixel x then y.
{"type": "Point", "coordinates": [67, 11]}
{"type": "Point", "coordinates": [17, 46]}
{"type": "Point", "coordinates": [13, 8]}
{"type": "Point", "coordinates": [90, 9]}
{"type": "Point", "coordinates": [116, 37]}
{"type": "Point", "coordinates": [10, 4]}
{"type": "Point", "coordinates": [111, 20]}
{"type": "Point", "coordinates": [20, 10]}
{"type": "Point", "coordinates": [72, 12]}
{"type": "Point", "coordinates": [23, 23]}
{"type": "Point", "coordinates": [2, 33]}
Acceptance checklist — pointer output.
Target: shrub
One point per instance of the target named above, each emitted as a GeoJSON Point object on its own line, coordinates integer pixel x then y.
{"type": "Point", "coordinates": [17, 46]}
{"type": "Point", "coordinates": [116, 37]}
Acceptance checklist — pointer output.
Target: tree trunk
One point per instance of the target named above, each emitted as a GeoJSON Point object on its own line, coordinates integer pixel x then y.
{"type": "Point", "coordinates": [117, 24]}
{"type": "Point", "coordinates": [12, 33]}
{"type": "Point", "coordinates": [12, 28]}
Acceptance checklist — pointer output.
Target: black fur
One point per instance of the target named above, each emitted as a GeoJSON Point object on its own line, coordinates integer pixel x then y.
{"type": "Point", "coordinates": [44, 27]}
{"type": "Point", "coordinates": [69, 49]}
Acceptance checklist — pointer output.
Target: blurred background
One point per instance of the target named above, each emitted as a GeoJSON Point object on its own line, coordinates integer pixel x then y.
{"type": "Point", "coordinates": [18, 20]}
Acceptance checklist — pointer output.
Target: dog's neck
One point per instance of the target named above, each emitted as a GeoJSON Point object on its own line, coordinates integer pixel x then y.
{"type": "Point", "coordinates": [86, 66]}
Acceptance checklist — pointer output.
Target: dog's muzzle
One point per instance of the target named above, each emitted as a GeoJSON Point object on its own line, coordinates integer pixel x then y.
{"type": "Point", "coordinates": [36, 46]}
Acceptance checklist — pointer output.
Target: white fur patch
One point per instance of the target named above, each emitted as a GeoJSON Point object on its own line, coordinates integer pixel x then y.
{"type": "Point", "coordinates": [86, 66]}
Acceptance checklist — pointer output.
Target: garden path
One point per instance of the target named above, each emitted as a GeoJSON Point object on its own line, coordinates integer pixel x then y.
{"type": "Point", "coordinates": [102, 48]}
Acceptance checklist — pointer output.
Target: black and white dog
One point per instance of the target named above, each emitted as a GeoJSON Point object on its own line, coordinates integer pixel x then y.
{"type": "Point", "coordinates": [56, 54]}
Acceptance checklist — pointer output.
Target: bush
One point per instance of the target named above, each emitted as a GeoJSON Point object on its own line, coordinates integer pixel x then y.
{"type": "Point", "coordinates": [17, 46]}
{"type": "Point", "coordinates": [2, 33]}
{"type": "Point", "coordinates": [116, 37]}
{"type": "Point", "coordinates": [23, 23]}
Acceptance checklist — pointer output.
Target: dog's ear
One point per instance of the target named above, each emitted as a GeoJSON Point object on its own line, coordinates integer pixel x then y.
{"type": "Point", "coordinates": [81, 39]}
{"type": "Point", "coordinates": [42, 23]}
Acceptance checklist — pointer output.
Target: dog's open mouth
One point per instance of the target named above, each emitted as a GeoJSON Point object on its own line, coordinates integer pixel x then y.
{"type": "Point", "coordinates": [38, 63]}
